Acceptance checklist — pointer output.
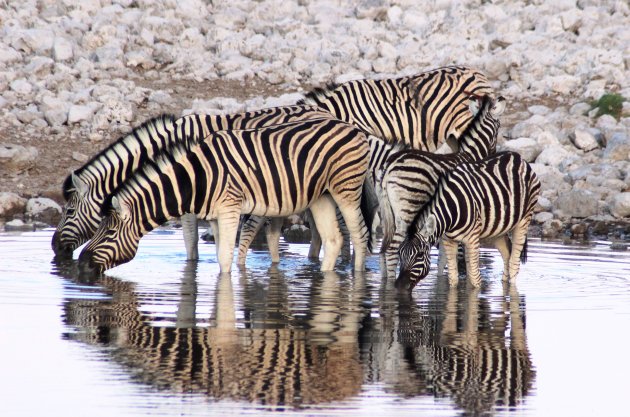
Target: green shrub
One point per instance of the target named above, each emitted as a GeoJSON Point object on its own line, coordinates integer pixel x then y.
{"type": "Point", "coordinates": [611, 104]}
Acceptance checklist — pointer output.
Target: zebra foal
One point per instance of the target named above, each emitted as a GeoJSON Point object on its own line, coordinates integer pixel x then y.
{"type": "Point", "coordinates": [271, 171]}
{"type": "Point", "coordinates": [409, 177]}
{"type": "Point", "coordinates": [486, 200]}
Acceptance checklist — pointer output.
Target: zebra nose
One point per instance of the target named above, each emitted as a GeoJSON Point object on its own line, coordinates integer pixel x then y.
{"type": "Point", "coordinates": [62, 251]}
{"type": "Point", "coordinates": [87, 265]}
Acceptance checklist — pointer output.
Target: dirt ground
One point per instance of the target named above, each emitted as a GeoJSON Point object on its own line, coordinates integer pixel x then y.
{"type": "Point", "coordinates": [55, 160]}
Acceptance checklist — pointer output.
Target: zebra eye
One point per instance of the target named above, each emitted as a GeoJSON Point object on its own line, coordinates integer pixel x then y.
{"type": "Point", "coordinates": [70, 212]}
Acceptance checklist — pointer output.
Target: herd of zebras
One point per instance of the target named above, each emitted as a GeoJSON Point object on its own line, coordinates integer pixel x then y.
{"type": "Point", "coordinates": [345, 153]}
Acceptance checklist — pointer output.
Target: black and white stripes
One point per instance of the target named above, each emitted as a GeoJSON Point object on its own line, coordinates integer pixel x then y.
{"type": "Point", "coordinates": [272, 171]}
{"type": "Point", "coordinates": [481, 200]}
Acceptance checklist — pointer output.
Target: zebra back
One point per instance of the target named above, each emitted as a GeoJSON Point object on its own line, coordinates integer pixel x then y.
{"type": "Point", "coordinates": [422, 110]}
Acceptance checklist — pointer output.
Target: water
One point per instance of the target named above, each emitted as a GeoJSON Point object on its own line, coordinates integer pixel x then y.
{"type": "Point", "coordinates": [162, 336]}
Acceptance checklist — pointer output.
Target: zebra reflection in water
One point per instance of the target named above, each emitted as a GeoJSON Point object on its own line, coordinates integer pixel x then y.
{"type": "Point", "coordinates": [454, 344]}
{"type": "Point", "coordinates": [281, 340]}
{"type": "Point", "coordinates": [277, 359]}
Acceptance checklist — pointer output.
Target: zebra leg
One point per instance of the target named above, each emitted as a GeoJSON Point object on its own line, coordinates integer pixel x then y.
{"type": "Point", "coordinates": [325, 219]}
{"type": "Point", "coordinates": [391, 253]}
{"type": "Point", "coordinates": [214, 225]}
{"type": "Point", "coordinates": [450, 249]}
{"type": "Point", "coordinates": [191, 235]}
{"type": "Point", "coordinates": [316, 239]}
{"type": "Point", "coordinates": [503, 246]}
{"type": "Point", "coordinates": [471, 254]}
{"type": "Point", "coordinates": [519, 239]}
{"type": "Point", "coordinates": [228, 227]}
{"type": "Point", "coordinates": [351, 213]}
{"type": "Point", "coordinates": [272, 232]}
{"type": "Point", "coordinates": [249, 230]}
{"type": "Point", "coordinates": [346, 255]}
{"type": "Point", "coordinates": [441, 259]}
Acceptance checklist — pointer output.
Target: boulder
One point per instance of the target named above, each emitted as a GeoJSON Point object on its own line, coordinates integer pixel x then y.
{"type": "Point", "coordinates": [584, 140]}
{"type": "Point", "coordinates": [43, 209]}
{"type": "Point", "coordinates": [618, 148]}
{"type": "Point", "coordinates": [17, 158]}
{"type": "Point", "coordinates": [620, 205]}
{"type": "Point", "coordinates": [11, 204]}
{"type": "Point", "coordinates": [578, 203]}
{"type": "Point", "coordinates": [528, 148]}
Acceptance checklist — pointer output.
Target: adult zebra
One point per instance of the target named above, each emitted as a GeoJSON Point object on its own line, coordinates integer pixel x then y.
{"type": "Point", "coordinates": [271, 171]}
{"type": "Point", "coordinates": [86, 188]}
{"type": "Point", "coordinates": [409, 177]}
{"type": "Point", "coordinates": [422, 111]}
{"type": "Point", "coordinates": [482, 200]}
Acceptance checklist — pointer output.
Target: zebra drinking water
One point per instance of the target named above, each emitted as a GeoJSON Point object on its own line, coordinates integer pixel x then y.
{"type": "Point", "coordinates": [86, 188]}
{"type": "Point", "coordinates": [481, 200]}
{"type": "Point", "coordinates": [271, 171]}
{"type": "Point", "coordinates": [409, 177]}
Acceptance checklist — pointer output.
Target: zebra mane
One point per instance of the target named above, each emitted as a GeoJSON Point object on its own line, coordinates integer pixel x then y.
{"type": "Point", "coordinates": [149, 169]}
{"type": "Point", "coordinates": [128, 139]}
{"type": "Point", "coordinates": [318, 94]}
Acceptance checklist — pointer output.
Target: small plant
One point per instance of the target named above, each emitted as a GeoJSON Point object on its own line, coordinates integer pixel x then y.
{"type": "Point", "coordinates": [611, 104]}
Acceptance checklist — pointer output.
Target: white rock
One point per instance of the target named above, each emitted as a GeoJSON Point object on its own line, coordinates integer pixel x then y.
{"type": "Point", "coordinates": [21, 86]}
{"type": "Point", "coordinates": [580, 109]}
{"type": "Point", "coordinates": [43, 209]}
{"type": "Point", "coordinates": [584, 140]}
{"type": "Point", "coordinates": [526, 147]}
{"type": "Point", "coordinates": [543, 217]}
{"type": "Point", "coordinates": [55, 110]}
{"type": "Point", "coordinates": [10, 204]}
{"type": "Point", "coordinates": [62, 49]}
{"type": "Point", "coordinates": [34, 40]}
{"type": "Point", "coordinates": [17, 158]}
{"type": "Point", "coordinates": [618, 148]}
{"type": "Point", "coordinates": [553, 156]}
{"type": "Point", "coordinates": [620, 205]}
{"type": "Point", "coordinates": [9, 55]}
{"type": "Point", "coordinates": [578, 203]}
{"type": "Point", "coordinates": [78, 113]}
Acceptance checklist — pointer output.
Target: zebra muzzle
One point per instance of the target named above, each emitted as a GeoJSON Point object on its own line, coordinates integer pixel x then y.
{"type": "Point", "coordinates": [62, 251]}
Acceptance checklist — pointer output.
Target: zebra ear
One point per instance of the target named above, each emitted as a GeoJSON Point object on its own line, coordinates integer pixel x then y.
{"type": "Point", "coordinates": [499, 106]}
{"type": "Point", "coordinates": [121, 207]}
{"type": "Point", "coordinates": [474, 105]}
{"type": "Point", "coordinates": [79, 185]}
{"type": "Point", "coordinates": [429, 225]}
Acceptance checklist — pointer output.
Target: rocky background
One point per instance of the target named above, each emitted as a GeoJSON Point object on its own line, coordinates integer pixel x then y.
{"type": "Point", "coordinates": [76, 75]}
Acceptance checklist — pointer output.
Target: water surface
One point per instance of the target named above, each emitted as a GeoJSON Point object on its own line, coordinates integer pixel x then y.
{"type": "Point", "coordinates": [163, 336]}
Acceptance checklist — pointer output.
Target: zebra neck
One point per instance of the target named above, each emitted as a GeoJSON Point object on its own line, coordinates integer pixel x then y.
{"type": "Point", "coordinates": [472, 147]}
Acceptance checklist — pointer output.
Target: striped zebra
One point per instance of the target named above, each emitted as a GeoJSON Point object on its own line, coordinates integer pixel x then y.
{"type": "Point", "coordinates": [86, 188]}
{"type": "Point", "coordinates": [422, 111]}
{"type": "Point", "coordinates": [481, 200]}
{"type": "Point", "coordinates": [271, 171]}
{"type": "Point", "coordinates": [409, 177]}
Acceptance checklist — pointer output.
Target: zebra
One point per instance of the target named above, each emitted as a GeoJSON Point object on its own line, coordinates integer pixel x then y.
{"type": "Point", "coordinates": [409, 177]}
{"type": "Point", "coordinates": [486, 199]}
{"type": "Point", "coordinates": [423, 111]}
{"type": "Point", "coordinates": [86, 188]}
{"type": "Point", "coordinates": [271, 171]}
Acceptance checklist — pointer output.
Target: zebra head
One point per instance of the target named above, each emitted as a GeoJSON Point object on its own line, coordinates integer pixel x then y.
{"type": "Point", "coordinates": [414, 261]}
{"type": "Point", "coordinates": [79, 220]}
{"type": "Point", "coordinates": [415, 251]}
{"type": "Point", "coordinates": [115, 241]}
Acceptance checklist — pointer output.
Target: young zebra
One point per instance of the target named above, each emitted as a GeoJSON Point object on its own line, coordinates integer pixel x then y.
{"type": "Point", "coordinates": [87, 187]}
{"type": "Point", "coordinates": [481, 200]}
{"type": "Point", "coordinates": [409, 176]}
{"type": "Point", "coordinates": [422, 111]}
{"type": "Point", "coordinates": [271, 171]}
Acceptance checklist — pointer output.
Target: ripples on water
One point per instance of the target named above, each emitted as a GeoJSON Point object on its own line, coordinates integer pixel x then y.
{"type": "Point", "coordinates": [163, 336]}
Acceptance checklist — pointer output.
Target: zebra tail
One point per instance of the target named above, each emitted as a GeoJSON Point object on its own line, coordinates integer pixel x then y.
{"type": "Point", "coordinates": [369, 205]}
{"type": "Point", "coordinates": [387, 221]}
{"type": "Point", "coordinates": [524, 252]}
